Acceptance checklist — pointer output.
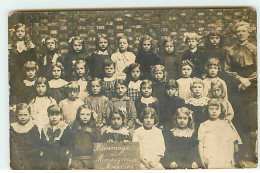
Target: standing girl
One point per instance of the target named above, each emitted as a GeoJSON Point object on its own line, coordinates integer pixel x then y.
{"type": "Point", "coordinates": [159, 76]}
{"type": "Point", "coordinates": [57, 83]}
{"type": "Point", "coordinates": [146, 56]}
{"type": "Point", "coordinates": [151, 152]}
{"type": "Point", "coordinates": [170, 60]}
{"type": "Point", "coordinates": [123, 58]}
{"type": "Point", "coordinates": [41, 102]}
{"type": "Point", "coordinates": [217, 136]}
{"type": "Point", "coordinates": [49, 57]}
{"type": "Point", "coordinates": [97, 59]}
{"type": "Point", "coordinates": [26, 138]}
{"type": "Point", "coordinates": [133, 75]}
{"type": "Point", "coordinates": [77, 51]}
{"type": "Point", "coordinates": [185, 81]}
{"type": "Point", "coordinates": [84, 134]}
{"type": "Point", "coordinates": [97, 101]}
{"type": "Point", "coordinates": [181, 141]}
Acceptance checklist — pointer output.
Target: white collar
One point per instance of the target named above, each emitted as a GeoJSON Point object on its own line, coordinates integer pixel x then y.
{"type": "Point", "coordinates": [148, 100]}
{"type": "Point", "coordinates": [23, 128]}
{"type": "Point", "coordinates": [187, 133]}
{"type": "Point", "coordinates": [109, 79]}
{"type": "Point", "coordinates": [135, 84]}
{"type": "Point", "coordinates": [122, 131]}
{"type": "Point", "coordinates": [102, 53]}
{"type": "Point", "coordinates": [28, 83]}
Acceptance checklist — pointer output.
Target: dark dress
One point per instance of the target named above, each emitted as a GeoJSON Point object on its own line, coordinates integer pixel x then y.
{"type": "Point", "coordinates": [120, 135]}
{"type": "Point", "coordinates": [159, 89]}
{"type": "Point", "coordinates": [96, 64]}
{"type": "Point", "coordinates": [172, 64]}
{"type": "Point", "coordinates": [24, 148]}
{"type": "Point", "coordinates": [139, 105]}
{"type": "Point", "coordinates": [28, 91]}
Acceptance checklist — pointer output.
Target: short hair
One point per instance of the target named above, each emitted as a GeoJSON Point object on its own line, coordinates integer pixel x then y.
{"type": "Point", "coordinates": [216, 102]}
{"type": "Point", "coordinates": [171, 83]}
{"type": "Point", "coordinates": [104, 36]}
{"type": "Point", "coordinates": [211, 62]}
{"type": "Point", "coordinates": [187, 112]}
{"type": "Point", "coordinates": [120, 112]}
{"type": "Point", "coordinates": [149, 111]}
{"type": "Point", "coordinates": [242, 23]}
{"type": "Point", "coordinates": [190, 36]}
{"type": "Point", "coordinates": [54, 109]}
{"type": "Point", "coordinates": [123, 37]}
{"type": "Point", "coordinates": [30, 65]}
{"type": "Point", "coordinates": [22, 106]}
{"type": "Point", "coordinates": [59, 65]}
{"type": "Point", "coordinates": [109, 62]}
{"type": "Point", "coordinates": [73, 39]}
{"type": "Point", "coordinates": [187, 62]}
{"type": "Point", "coordinates": [100, 81]}
{"type": "Point", "coordinates": [196, 81]}
{"type": "Point", "coordinates": [72, 86]}
{"type": "Point", "coordinates": [81, 61]}
{"type": "Point", "coordinates": [121, 82]}
{"type": "Point", "coordinates": [219, 84]}
{"type": "Point", "coordinates": [146, 82]}
{"type": "Point", "coordinates": [214, 33]}
{"type": "Point", "coordinates": [55, 40]}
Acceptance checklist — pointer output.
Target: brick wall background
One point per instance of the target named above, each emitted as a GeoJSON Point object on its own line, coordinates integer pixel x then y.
{"type": "Point", "coordinates": [133, 23]}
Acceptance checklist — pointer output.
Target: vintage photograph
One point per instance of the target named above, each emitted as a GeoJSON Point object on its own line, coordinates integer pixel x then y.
{"type": "Point", "coordinates": [130, 89]}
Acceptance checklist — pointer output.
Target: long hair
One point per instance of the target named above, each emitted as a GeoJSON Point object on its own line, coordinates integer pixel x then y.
{"type": "Point", "coordinates": [81, 61]}
{"type": "Point", "coordinates": [146, 82]}
{"type": "Point", "coordinates": [211, 62]}
{"type": "Point", "coordinates": [123, 37]}
{"type": "Point", "coordinates": [81, 40]}
{"type": "Point", "coordinates": [146, 38]}
{"type": "Point", "coordinates": [22, 106]}
{"type": "Point", "coordinates": [208, 44]}
{"type": "Point", "coordinates": [120, 112]}
{"type": "Point", "coordinates": [159, 67]}
{"type": "Point", "coordinates": [149, 111]}
{"type": "Point", "coordinates": [50, 38]}
{"type": "Point", "coordinates": [218, 103]}
{"type": "Point", "coordinates": [42, 80]}
{"type": "Point", "coordinates": [30, 65]}
{"type": "Point", "coordinates": [218, 84]}
{"type": "Point", "coordinates": [185, 111]}
{"type": "Point", "coordinates": [165, 41]}
{"type": "Point", "coordinates": [100, 81]}
{"type": "Point", "coordinates": [59, 65]}
{"type": "Point", "coordinates": [104, 36]}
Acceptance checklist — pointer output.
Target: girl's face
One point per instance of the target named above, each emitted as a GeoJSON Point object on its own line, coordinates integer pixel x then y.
{"type": "Point", "coordinates": [20, 33]}
{"type": "Point", "coordinates": [148, 121]}
{"type": "Point", "coordinates": [23, 116]}
{"type": "Point", "coordinates": [85, 115]}
{"type": "Point", "coordinates": [109, 71]}
{"type": "Point", "coordinates": [213, 71]}
{"type": "Point", "coordinates": [30, 73]}
{"type": "Point", "coordinates": [95, 87]}
{"type": "Point", "coordinates": [50, 44]}
{"type": "Point", "coordinates": [197, 89]}
{"type": "Point", "coordinates": [147, 45]}
{"type": "Point", "coordinates": [182, 120]}
{"type": "Point", "coordinates": [146, 90]}
{"type": "Point", "coordinates": [73, 94]}
{"type": "Point", "coordinates": [56, 72]}
{"type": "Point", "coordinates": [186, 71]}
{"type": "Point", "coordinates": [158, 75]}
{"type": "Point", "coordinates": [214, 40]}
{"type": "Point", "coordinates": [135, 74]}
{"type": "Point", "coordinates": [242, 33]}
{"type": "Point", "coordinates": [41, 89]}
{"type": "Point", "coordinates": [77, 45]}
{"type": "Point", "coordinates": [171, 92]}
{"type": "Point", "coordinates": [80, 70]}
{"type": "Point", "coordinates": [169, 48]}
{"type": "Point", "coordinates": [216, 91]}
{"type": "Point", "coordinates": [214, 112]}
{"type": "Point", "coordinates": [103, 43]}
{"type": "Point", "coordinates": [123, 45]}
{"type": "Point", "coordinates": [192, 43]}
{"type": "Point", "coordinates": [116, 121]}
{"type": "Point", "coordinates": [121, 90]}
{"type": "Point", "coordinates": [55, 118]}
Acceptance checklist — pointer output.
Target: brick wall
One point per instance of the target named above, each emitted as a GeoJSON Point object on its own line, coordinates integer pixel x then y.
{"type": "Point", "coordinates": [133, 23]}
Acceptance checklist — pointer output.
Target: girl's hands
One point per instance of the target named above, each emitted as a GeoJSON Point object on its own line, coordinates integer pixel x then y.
{"type": "Point", "coordinates": [173, 165]}
{"type": "Point", "coordinates": [194, 165]}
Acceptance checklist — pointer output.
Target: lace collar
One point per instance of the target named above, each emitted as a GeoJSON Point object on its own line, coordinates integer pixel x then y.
{"type": "Point", "coordinates": [203, 101]}
{"type": "Point", "coordinates": [148, 100]}
{"type": "Point", "coordinates": [22, 128]}
{"type": "Point", "coordinates": [20, 45]}
{"type": "Point", "coordinates": [187, 133]}
{"type": "Point", "coordinates": [109, 79]}
{"type": "Point", "coordinates": [122, 131]}
{"type": "Point", "coordinates": [28, 83]}
{"type": "Point", "coordinates": [59, 127]}
{"type": "Point", "coordinates": [57, 83]}
{"type": "Point", "coordinates": [135, 84]}
{"type": "Point", "coordinates": [102, 53]}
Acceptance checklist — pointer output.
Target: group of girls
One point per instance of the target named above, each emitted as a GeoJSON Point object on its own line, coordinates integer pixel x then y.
{"type": "Point", "coordinates": [177, 108]}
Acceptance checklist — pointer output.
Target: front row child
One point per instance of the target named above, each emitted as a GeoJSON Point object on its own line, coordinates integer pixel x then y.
{"type": "Point", "coordinates": [181, 141]}
{"type": "Point", "coordinates": [84, 134]}
{"type": "Point", "coordinates": [218, 140]}
{"type": "Point", "coordinates": [55, 137]}
{"type": "Point", "coordinates": [150, 139]}
{"type": "Point", "coordinates": [24, 140]}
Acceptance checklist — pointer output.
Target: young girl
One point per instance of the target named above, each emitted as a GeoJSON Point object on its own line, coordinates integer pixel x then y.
{"type": "Point", "coordinates": [185, 81]}
{"type": "Point", "coordinates": [146, 56]}
{"type": "Point", "coordinates": [212, 69]}
{"type": "Point", "coordinates": [217, 139]}
{"type": "Point", "coordinates": [133, 75]}
{"type": "Point", "coordinates": [97, 59]}
{"type": "Point", "coordinates": [21, 50]}
{"type": "Point", "coordinates": [170, 60]}
{"type": "Point", "coordinates": [122, 103]}
{"type": "Point", "coordinates": [41, 102]}
{"type": "Point", "coordinates": [77, 51]}
{"type": "Point", "coordinates": [123, 58]}
{"type": "Point", "coordinates": [84, 134]}
{"type": "Point", "coordinates": [181, 141]}
{"type": "Point", "coordinates": [71, 104]}
{"type": "Point", "coordinates": [49, 57]}
{"type": "Point", "coordinates": [81, 76]}
{"type": "Point", "coordinates": [109, 79]}
{"type": "Point", "coordinates": [194, 54]}
{"type": "Point", "coordinates": [150, 139]}
{"type": "Point", "coordinates": [159, 76]}
{"type": "Point", "coordinates": [55, 137]}
{"type": "Point", "coordinates": [198, 102]}
{"type": "Point", "coordinates": [146, 99]}
{"type": "Point", "coordinates": [24, 90]}
{"type": "Point", "coordinates": [170, 103]}
{"type": "Point", "coordinates": [57, 83]}
{"type": "Point", "coordinates": [97, 101]}
{"type": "Point", "coordinates": [26, 139]}
{"type": "Point", "coordinates": [116, 130]}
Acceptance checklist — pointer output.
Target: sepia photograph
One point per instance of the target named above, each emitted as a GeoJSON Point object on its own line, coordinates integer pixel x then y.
{"type": "Point", "coordinates": [133, 88]}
